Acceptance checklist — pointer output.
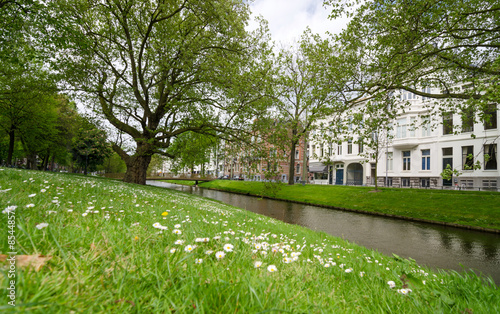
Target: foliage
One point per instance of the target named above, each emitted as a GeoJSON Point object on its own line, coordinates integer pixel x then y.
{"type": "Point", "coordinates": [158, 69]}
{"type": "Point", "coordinates": [305, 93]}
{"type": "Point", "coordinates": [191, 149]}
{"type": "Point", "coordinates": [451, 46]}
{"type": "Point", "coordinates": [90, 147]}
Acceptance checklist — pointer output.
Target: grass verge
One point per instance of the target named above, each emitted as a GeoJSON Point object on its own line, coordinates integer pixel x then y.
{"type": "Point", "coordinates": [181, 182]}
{"type": "Point", "coordinates": [117, 247]}
{"type": "Point", "coordinates": [466, 208]}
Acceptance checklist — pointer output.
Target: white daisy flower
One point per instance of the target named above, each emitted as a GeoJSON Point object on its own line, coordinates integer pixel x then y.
{"type": "Point", "coordinates": [257, 264]}
{"type": "Point", "coordinates": [272, 268]}
{"type": "Point", "coordinates": [220, 255]}
{"type": "Point", "coordinates": [41, 225]}
{"type": "Point", "coordinates": [228, 247]}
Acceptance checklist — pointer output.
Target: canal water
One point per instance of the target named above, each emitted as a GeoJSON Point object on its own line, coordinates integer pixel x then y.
{"type": "Point", "coordinates": [431, 245]}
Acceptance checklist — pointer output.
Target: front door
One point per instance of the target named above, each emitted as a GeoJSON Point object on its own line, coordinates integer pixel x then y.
{"type": "Point", "coordinates": [339, 177]}
{"type": "Point", "coordinates": [447, 161]}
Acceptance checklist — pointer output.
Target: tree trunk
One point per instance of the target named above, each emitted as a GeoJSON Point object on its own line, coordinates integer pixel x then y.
{"type": "Point", "coordinates": [137, 168]}
{"type": "Point", "coordinates": [11, 147]}
{"type": "Point", "coordinates": [291, 168]}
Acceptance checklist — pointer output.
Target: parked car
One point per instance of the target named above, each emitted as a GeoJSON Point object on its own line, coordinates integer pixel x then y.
{"type": "Point", "coordinates": [238, 178]}
{"type": "Point", "coordinates": [226, 177]}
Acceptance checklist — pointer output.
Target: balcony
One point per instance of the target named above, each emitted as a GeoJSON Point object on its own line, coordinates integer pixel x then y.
{"type": "Point", "coordinates": [405, 143]}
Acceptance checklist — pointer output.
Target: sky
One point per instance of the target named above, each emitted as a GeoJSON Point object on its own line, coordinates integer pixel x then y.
{"type": "Point", "coordinates": [289, 18]}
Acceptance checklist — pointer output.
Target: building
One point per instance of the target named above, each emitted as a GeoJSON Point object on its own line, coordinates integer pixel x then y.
{"type": "Point", "coordinates": [419, 145]}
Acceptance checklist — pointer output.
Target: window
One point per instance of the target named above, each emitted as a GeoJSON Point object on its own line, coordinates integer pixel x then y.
{"type": "Point", "coordinates": [349, 147]}
{"type": "Point", "coordinates": [272, 152]}
{"type": "Point", "coordinates": [447, 161]}
{"type": "Point", "coordinates": [490, 184]}
{"type": "Point", "coordinates": [425, 182]}
{"type": "Point", "coordinates": [339, 149]}
{"type": "Point", "coordinates": [298, 168]}
{"type": "Point", "coordinates": [406, 160]}
{"type": "Point", "coordinates": [426, 159]}
{"type": "Point", "coordinates": [490, 117]}
{"type": "Point", "coordinates": [413, 126]}
{"type": "Point", "coordinates": [389, 161]}
{"type": "Point", "coordinates": [448, 123]}
{"type": "Point", "coordinates": [401, 128]}
{"type": "Point", "coordinates": [388, 182]}
{"type": "Point", "coordinates": [466, 183]}
{"type": "Point", "coordinates": [330, 150]}
{"type": "Point", "coordinates": [405, 182]}
{"type": "Point", "coordinates": [468, 120]}
{"type": "Point", "coordinates": [426, 126]}
{"type": "Point", "coordinates": [296, 153]}
{"type": "Point", "coordinates": [360, 145]}
{"type": "Point", "coordinates": [490, 157]}
{"type": "Point", "coordinates": [467, 157]}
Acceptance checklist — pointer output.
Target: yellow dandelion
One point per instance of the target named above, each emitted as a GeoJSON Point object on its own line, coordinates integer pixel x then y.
{"type": "Point", "coordinates": [164, 214]}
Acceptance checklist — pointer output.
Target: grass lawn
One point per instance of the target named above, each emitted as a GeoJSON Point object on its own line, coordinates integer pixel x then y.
{"type": "Point", "coordinates": [100, 245]}
{"type": "Point", "coordinates": [181, 182]}
{"type": "Point", "coordinates": [468, 208]}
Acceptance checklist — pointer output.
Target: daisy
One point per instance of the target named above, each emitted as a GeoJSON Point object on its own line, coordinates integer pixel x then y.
{"type": "Point", "coordinates": [220, 255]}
{"type": "Point", "coordinates": [32, 195]}
{"type": "Point", "coordinates": [272, 268]}
{"type": "Point", "coordinates": [172, 250]}
{"type": "Point", "coordinates": [177, 231]}
{"type": "Point", "coordinates": [30, 205]}
{"type": "Point", "coordinates": [391, 284]}
{"type": "Point", "coordinates": [43, 190]}
{"type": "Point", "coordinates": [257, 264]}
{"type": "Point", "coordinates": [404, 291]}
{"type": "Point", "coordinates": [189, 248]}
{"type": "Point", "coordinates": [198, 261]}
{"type": "Point", "coordinates": [228, 247]}
{"type": "Point", "coordinates": [348, 270]}
{"type": "Point", "coordinates": [177, 226]}
{"type": "Point", "coordinates": [9, 209]}
{"type": "Point", "coordinates": [41, 225]}
{"type": "Point", "coordinates": [179, 242]}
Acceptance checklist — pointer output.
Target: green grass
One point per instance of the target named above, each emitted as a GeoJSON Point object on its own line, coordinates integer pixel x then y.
{"type": "Point", "coordinates": [181, 182]}
{"type": "Point", "coordinates": [467, 208]}
{"type": "Point", "coordinates": [108, 256]}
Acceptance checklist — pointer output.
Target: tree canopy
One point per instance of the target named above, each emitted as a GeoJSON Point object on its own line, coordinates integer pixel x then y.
{"type": "Point", "coordinates": [157, 69]}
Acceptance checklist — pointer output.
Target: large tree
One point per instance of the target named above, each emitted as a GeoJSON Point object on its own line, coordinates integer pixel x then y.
{"type": "Point", "coordinates": [453, 46]}
{"type": "Point", "coordinates": [157, 69]}
{"type": "Point", "coordinates": [305, 93]}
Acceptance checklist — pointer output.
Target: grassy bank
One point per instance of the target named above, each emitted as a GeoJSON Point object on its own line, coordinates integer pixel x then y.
{"type": "Point", "coordinates": [181, 182]}
{"type": "Point", "coordinates": [114, 247]}
{"type": "Point", "coordinates": [467, 208]}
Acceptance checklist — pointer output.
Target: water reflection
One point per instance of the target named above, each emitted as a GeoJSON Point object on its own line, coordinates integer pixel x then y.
{"type": "Point", "coordinates": [432, 245]}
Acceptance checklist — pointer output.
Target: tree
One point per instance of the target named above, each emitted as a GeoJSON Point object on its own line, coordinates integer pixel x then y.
{"type": "Point", "coordinates": [90, 148]}
{"type": "Point", "coordinates": [191, 149]}
{"type": "Point", "coordinates": [305, 93]}
{"type": "Point", "coordinates": [158, 69]}
{"type": "Point", "coordinates": [450, 45]}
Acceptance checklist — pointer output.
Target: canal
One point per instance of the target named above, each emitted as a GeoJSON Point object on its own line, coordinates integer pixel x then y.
{"type": "Point", "coordinates": [431, 245]}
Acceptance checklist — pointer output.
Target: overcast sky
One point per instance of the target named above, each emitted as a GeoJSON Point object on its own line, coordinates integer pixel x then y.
{"type": "Point", "coordinates": [289, 18]}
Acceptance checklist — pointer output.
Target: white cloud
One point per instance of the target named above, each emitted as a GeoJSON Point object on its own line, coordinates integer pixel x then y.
{"type": "Point", "coordinates": [289, 18]}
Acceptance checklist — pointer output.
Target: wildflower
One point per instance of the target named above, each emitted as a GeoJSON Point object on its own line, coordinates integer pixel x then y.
{"type": "Point", "coordinates": [164, 214]}
{"type": "Point", "coordinates": [204, 240]}
{"type": "Point", "coordinates": [228, 247]}
{"type": "Point", "coordinates": [177, 231]}
{"type": "Point", "coordinates": [32, 195]}
{"type": "Point", "coordinates": [257, 264]}
{"type": "Point", "coordinates": [179, 242]}
{"type": "Point", "coordinates": [9, 209]}
{"type": "Point", "coordinates": [136, 238]}
{"type": "Point", "coordinates": [362, 274]}
{"type": "Point", "coordinates": [220, 255]}
{"type": "Point", "coordinates": [287, 260]}
{"type": "Point", "coordinates": [30, 205]}
{"type": "Point", "coordinates": [84, 214]}
{"type": "Point", "coordinates": [404, 291]}
{"type": "Point", "coordinates": [172, 250]}
{"type": "Point", "coordinates": [43, 190]}
{"type": "Point", "coordinates": [189, 248]}
{"type": "Point", "coordinates": [41, 225]}
{"type": "Point", "coordinates": [348, 270]}
{"type": "Point", "coordinates": [177, 226]}
{"type": "Point", "coordinates": [272, 268]}
{"type": "Point", "coordinates": [70, 210]}
{"type": "Point", "coordinates": [3, 191]}
{"type": "Point", "coordinates": [208, 252]}
{"type": "Point", "coordinates": [198, 261]}
{"type": "Point", "coordinates": [391, 284]}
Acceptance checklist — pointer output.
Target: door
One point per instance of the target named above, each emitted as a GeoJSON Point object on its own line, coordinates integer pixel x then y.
{"type": "Point", "coordinates": [339, 177]}
{"type": "Point", "coordinates": [447, 161]}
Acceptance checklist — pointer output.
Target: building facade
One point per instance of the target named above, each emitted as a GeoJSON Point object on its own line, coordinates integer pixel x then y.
{"type": "Point", "coordinates": [418, 147]}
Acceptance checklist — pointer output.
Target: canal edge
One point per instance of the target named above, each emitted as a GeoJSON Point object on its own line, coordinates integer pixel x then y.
{"type": "Point", "coordinates": [442, 223]}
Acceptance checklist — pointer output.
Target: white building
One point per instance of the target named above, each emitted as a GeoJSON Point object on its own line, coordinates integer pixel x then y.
{"type": "Point", "coordinates": [421, 144]}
